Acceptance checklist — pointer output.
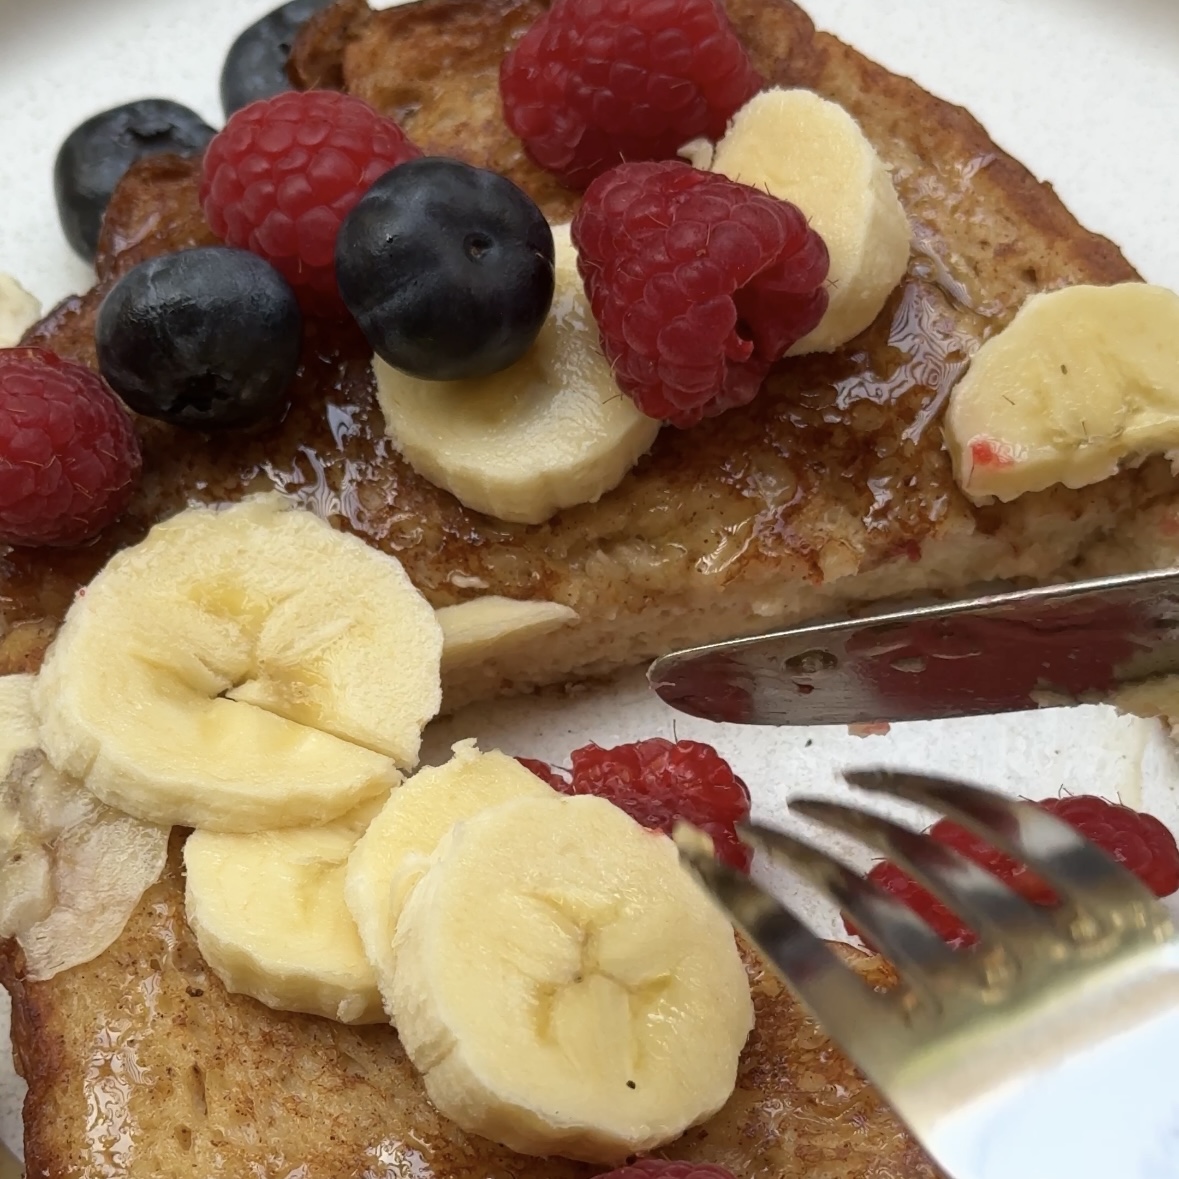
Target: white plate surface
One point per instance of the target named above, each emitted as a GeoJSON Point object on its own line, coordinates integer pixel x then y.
{"type": "Point", "coordinates": [1086, 92]}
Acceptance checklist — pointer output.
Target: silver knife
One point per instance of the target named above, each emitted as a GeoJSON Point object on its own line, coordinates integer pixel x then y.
{"type": "Point", "coordinates": [1004, 652]}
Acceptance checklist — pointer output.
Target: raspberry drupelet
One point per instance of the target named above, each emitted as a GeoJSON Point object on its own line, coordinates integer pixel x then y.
{"type": "Point", "coordinates": [596, 82]}
{"type": "Point", "coordinates": [69, 457]}
{"type": "Point", "coordinates": [285, 172]}
{"type": "Point", "coordinates": [698, 285]}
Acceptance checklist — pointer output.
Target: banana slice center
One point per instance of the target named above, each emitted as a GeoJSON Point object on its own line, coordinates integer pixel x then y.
{"type": "Point", "coordinates": [564, 986]}
{"type": "Point", "coordinates": [589, 990]}
{"type": "Point", "coordinates": [242, 669]}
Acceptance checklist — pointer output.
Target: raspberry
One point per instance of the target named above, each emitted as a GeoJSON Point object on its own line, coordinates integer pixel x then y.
{"type": "Point", "coordinates": [546, 773]}
{"type": "Point", "coordinates": [669, 1169]}
{"type": "Point", "coordinates": [1138, 841]}
{"type": "Point", "coordinates": [595, 82]}
{"type": "Point", "coordinates": [698, 285]}
{"type": "Point", "coordinates": [285, 172]}
{"type": "Point", "coordinates": [657, 782]}
{"type": "Point", "coordinates": [69, 458]}
{"type": "Point", "coordinates": [943, 922]}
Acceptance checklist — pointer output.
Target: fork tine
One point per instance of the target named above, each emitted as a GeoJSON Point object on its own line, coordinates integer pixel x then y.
{"type": "Point", "coordinates": [1080, 872]}
{"type": "Point", "coordinates": [838, 998]}
{"type": "Point", "coordinates": [986, 904]}
{"type": "Point", "coordinates": [890, 926]}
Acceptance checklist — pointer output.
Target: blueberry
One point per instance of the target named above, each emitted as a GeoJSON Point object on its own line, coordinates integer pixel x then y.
{"type": "Point", "coordinates": [256, 65]}
{"type": "Point", "coordinates": [448, 269]}
{"type": "Point", "coordinates": [206, 338]}
{"type": "Point", "coordinates": [95, 156]}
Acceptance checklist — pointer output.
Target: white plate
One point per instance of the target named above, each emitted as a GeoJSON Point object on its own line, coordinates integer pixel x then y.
{"type": "Point", "coordinates": [1086, 92]}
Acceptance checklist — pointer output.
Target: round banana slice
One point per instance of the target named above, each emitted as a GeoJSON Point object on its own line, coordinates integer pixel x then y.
{"type": "Point", "coordinates": [394, 853]}
{"type": "Point", "coordinates": [550, 432]}
{"type": "Point", "coordinates": [803, 149]}
{"type": "Point", "coordinates": [72, 871]}
{"type": "Point", "coordinates": [242, 669]}
{"type": "Point", "coordinates": [270, 920]}
{"type": "Point", "coordinates": [563, 984]}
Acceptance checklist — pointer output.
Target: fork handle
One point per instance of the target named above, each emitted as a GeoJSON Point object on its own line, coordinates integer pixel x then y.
{"type": "Point", "coordinates": [1113, 1111]}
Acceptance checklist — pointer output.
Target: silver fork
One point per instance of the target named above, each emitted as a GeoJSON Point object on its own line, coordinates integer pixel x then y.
{"type": "Point", "coordinates": [1050, 1049]}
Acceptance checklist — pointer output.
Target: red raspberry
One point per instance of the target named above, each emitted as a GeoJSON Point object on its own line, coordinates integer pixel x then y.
{"type": "Point", "coordinates": [669, 1169]}
{"type": "Point", "coordinates": [546, 773]}
{"type": "Point", "coordinates": [1138, 841]}
{"type": "Point", "coordinates": [69, 458]}
{"type": "Point", "coordinates": [943, 922]}
{"type": "Point", "coordinates": [595, 82]}
{"type": "Point", "coordinates": [657, 782]}
{"type": "Point", "coordinates": [698, 285]}
{"type": "Point", "coordinates": [285, 172]}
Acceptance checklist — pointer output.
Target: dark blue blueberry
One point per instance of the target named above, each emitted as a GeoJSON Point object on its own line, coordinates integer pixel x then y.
{"type": "Point", "coordinates": [206, 338]}
{"type": "Point", "coordinates": [448, 269]}
{"type": "Point", "coordinates": [256, 65]}
{"type": "Point", "coordinates": [95, 156]}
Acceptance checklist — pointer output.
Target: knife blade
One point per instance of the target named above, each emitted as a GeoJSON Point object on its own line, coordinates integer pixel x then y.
{"type": "Point", "coordinates": [1050, 646]}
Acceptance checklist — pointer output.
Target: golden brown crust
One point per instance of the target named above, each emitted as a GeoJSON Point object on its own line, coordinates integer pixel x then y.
{"type": "Point", "coordinates": [140, 1064]}
{"type": "Point", "coordinates": [317, 57]}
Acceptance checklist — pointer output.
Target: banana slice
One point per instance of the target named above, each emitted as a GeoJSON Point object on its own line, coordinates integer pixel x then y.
{"type": "Point", "coordinates": [548, 433]}
{"type": "Point", "coordinates": [269, 917]}
{"type": "Point", "coordinates": [72, 871]}
{"type": "Point", "coordinates": [1081, 380]}
{"type": "Point", "coordinates": [564, 986]}
{"type": "Point", "coordinates": [803, 149]}
{"type": "Point", "coordinates": [18, 311]}
{"type": "Point", "coordinates": [242, 669]}
{"type": "Point", "coordinates": [395, 851]}
{"type": "Point", "coordinates": [484, 627]}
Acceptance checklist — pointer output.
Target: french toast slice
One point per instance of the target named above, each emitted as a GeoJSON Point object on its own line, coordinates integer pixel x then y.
{"type": "Point", "coordinates": [831, 488]}
{"type": "Point", "coordinates": [140, 1064]}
